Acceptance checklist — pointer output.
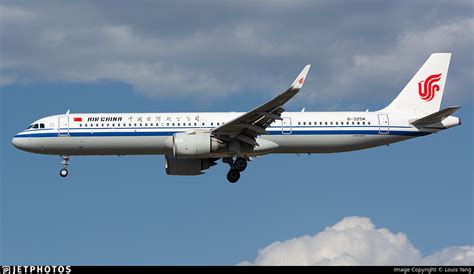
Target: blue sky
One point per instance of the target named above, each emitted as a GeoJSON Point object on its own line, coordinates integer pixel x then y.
{"type": "Point", "coordinates": [125, 210]}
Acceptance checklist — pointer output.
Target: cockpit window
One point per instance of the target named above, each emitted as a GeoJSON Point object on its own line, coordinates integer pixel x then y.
{"type": "Point", "coordinates": [41, 125]}
{"type": "Point", "coordinates": [29, 127]}
{"type": "Point", "coordinates": [35, 126]}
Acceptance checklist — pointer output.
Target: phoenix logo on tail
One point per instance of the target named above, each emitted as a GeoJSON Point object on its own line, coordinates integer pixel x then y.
{"type": "Point", "coordinates": [428, 89]}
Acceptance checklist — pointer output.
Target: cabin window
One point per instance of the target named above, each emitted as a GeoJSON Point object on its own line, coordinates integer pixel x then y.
{"type": "Point", "coordinates": [309, 123]}
{"type": "Point", "coordinates": [337, 123]}
{"type": "Point", "coordinates": [195, 124]}
{"type": "Point", "coordinates": [80, 125]}
{"type": "Point", "coordinates": [304, 123]}
{"type": "Point", "coordinates": [358, 123]}
{"type": "Point", "coordinates": [368, 123]}
{"type": "Point", "coordinates": [172, 124]}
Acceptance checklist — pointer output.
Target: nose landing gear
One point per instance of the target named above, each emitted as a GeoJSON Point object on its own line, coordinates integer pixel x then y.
{"type": "Point", "coordinates": [64, 172]}
{"type": "Point", "coordinates": [237, 166]}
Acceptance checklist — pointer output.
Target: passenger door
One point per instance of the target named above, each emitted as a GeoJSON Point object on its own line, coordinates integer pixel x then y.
{"type": "Point", "coordinates": [384, 127]}
{"type": "Point", "coordinates": [63, 126]}
{"type": "Point", "coordinates": [286, 125]}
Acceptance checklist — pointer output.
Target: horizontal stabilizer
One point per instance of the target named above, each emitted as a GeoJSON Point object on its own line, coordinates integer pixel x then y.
{"type": "Point", "coordinates": [435, 117]}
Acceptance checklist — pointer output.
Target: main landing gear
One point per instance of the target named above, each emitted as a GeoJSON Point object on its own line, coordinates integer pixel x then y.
{"type": "Point", "coordinates": [237, 166]}
{"type": "Point", "coordinates": [64, 172]}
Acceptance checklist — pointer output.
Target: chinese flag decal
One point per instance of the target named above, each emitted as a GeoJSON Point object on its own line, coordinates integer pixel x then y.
{"type": "Point", "coordinates": [77, 119]}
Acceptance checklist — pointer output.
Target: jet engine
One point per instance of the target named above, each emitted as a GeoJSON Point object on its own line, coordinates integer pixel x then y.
{"type": "Point", "coordinates": [193, 144]}
{"type": "Point", "coordinates": [187, 166]}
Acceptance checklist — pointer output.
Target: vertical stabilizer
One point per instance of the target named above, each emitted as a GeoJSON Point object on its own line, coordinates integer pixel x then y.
{"type": "Point", "coordinates": [423, 94]}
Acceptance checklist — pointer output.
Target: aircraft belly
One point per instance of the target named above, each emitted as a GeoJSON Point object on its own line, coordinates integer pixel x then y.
{"type": "Point", "coordinates": [129, 145]}
{"type": "Point", "coordinates": [117, 145]}
{"type": "Point", "coordinates": [329, 143]}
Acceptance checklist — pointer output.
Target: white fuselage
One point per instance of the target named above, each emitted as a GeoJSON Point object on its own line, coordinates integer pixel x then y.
{"type": "Point", "coordinates": [193, 142]}
{"type": "Point", "coordinates": [145, 133]}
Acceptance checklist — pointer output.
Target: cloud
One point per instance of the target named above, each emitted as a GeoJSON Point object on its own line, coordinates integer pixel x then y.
{"type": "Point", "coordinates": [396, 64]}
{"type": "Point", "coordinates": [14, 15]}
{"type": "Point", "coordinates": [214, 49]}
{"type": "Point", "coordinates": [356, 241]}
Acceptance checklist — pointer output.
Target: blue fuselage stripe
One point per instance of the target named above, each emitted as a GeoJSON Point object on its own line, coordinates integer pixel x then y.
{"type": "Point", "coordinates": [168, 133]}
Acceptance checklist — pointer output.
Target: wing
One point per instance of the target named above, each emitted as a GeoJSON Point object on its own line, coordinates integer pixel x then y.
{"type": "Point", "coordinates": [247, 127]}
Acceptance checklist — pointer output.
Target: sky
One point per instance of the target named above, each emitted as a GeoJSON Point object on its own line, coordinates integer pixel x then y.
{"type": "Point", "coordinates": [412, 200]}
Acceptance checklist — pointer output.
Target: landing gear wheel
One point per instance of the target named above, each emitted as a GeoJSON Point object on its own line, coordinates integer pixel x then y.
{"type": "Point", "coordinates": [240, 164]}
{"type": "Point", "coordinates": [63, 172]}
{"type": "Point", "coordinates": [233, 175]}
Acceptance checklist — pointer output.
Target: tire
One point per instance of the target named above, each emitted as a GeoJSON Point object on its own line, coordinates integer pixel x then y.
{"type": "Point", "coordinates": [240, 164]}
{"type": "Point", "coordinates": [63, 172]}
{"type": "Point", "coordinates": [233, 175]}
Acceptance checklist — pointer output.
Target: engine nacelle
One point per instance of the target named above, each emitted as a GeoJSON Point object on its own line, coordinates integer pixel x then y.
{"type": "Point", "coordinates": [193, 144]}
{"type": "Point", "coordinates": [191, 166]}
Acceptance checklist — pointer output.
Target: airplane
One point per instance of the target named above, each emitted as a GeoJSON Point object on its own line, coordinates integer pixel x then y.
{"type": "Point", "coordinates": [194, 142]}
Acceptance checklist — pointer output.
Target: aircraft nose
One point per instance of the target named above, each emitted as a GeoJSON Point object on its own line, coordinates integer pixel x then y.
{"type": "Point", "coordinates": [20, 143]}
{"type": "Point", "coordinates": [16, 142]}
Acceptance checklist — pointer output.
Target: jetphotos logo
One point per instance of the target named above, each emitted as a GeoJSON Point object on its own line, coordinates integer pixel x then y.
{"type": "Point", "coordinates": [40, 269]}
{"type": "Point", "coordinates": [428, 87]}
